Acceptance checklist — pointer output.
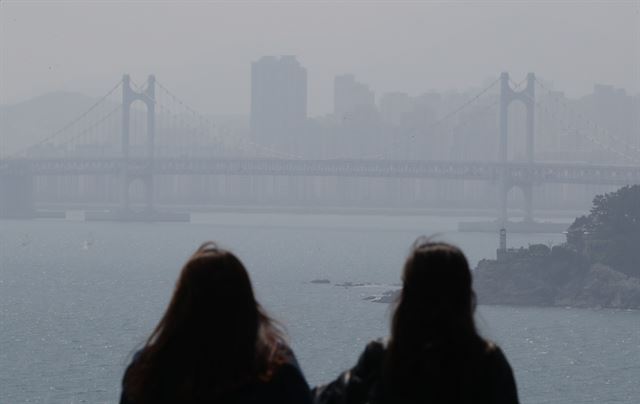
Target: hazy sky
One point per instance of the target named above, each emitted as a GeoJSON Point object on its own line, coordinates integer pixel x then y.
{"type": "Point", "coordinates": [203, 50]}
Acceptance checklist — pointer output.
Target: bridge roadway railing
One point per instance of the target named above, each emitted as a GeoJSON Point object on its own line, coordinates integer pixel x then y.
{"type": "Point", "coordinates": [515, 173]}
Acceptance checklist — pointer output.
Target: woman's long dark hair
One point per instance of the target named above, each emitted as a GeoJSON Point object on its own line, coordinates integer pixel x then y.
{"type": "Point", "coordinates": [213, 338]}
{"type": "Point", "coordinates": [433, 333]}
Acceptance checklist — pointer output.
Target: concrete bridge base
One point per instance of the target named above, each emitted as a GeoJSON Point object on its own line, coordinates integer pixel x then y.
{"type": "Point", "coordinates": [148, 216]}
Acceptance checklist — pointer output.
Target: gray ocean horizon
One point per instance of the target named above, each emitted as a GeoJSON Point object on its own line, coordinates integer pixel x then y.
{"type": "Point", "coordinates": [78, 298]}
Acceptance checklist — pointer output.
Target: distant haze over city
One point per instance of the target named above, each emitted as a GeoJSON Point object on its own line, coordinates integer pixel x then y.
{"type": "Point", "coordinates": [356, 164]}
{"type": "Point", "coordinates": [204, 51]}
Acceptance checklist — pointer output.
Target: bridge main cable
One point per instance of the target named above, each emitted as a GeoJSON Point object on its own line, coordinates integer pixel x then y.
{"type": "Point", "coordinates": [411, 133]}
{"type": "Point", "coordinates": [68, 125]}
{"type": "Point", "coordinates": [595, 126]}
{"type": "Point", "coordinates": [211, 124]}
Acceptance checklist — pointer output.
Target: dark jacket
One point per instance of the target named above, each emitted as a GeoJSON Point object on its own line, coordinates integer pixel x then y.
{"type": "Point", "coordinates": [490, 380]}
{"type": "Point", "coordinates": [287, 386]}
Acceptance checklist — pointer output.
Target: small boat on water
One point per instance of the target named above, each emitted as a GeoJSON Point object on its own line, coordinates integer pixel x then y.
{"type": "Point", "coordinates": [87, 243]}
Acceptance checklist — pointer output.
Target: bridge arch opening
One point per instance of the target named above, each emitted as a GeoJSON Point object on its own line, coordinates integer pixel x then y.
{"type": "Point", "coordinates": [138, 124]}
{"type": "Point", "coordinates": [138, 130]}
{"type": "Point", "coordinates": [139, 192]}
{"type": "Point", "coordinates": [517, 129]}
{"type": "Point", "coordinates": [520, 201]}
{"type": "Point", "coordinates": [509, 98]}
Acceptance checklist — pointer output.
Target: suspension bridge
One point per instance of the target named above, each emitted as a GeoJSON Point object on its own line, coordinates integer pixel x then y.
{"type": "Point", "coordinates": [114, 138]}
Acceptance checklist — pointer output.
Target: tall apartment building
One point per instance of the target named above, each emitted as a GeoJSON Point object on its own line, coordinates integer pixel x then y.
{"type": "Point", "coordinates": [278, 97]}
{"type": "Point", "coordinates": [395, 107]}
{"type": "Point", "coordinates": [613, 110]}
{"type": "Point", "coordinates": [350, 96]}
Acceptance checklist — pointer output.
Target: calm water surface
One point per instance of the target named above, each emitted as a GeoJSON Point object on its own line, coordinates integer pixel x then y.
{"type": "Point", "coordinates": [76, 299]}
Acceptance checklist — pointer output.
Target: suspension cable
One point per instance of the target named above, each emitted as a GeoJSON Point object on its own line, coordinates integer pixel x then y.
{"type": "Point", "coordinates": [411, 133]}
{"type": "Point", "coordinates": [68, 125]}
{"type": "Point", "coordinates": [597, 127]}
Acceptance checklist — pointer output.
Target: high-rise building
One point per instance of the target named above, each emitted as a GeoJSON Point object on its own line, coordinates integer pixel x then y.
{"type": "Point", "coordinates": [395, 107]}
{"type": "Point", "coordinates": [613, 111]}
{"type": "Point", "coordinates": [278, 97]}
{"type": "Point", "coordinates": [350, 96]}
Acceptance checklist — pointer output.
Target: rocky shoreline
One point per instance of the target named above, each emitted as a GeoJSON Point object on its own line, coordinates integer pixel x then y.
{"type": "Point", "coordinates": [526, 282]}
{"type": "Point", "coordinates": [559, 278]}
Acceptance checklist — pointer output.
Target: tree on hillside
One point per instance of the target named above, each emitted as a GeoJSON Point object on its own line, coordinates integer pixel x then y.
{"type": "Point", "coordinates": [611, 231]}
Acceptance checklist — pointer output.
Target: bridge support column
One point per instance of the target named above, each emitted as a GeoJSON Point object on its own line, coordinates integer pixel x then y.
{"type": "Point", "coordinates": [527, 97]}
{"type": "Point", "coordinates": [505, 100]}
{"type": "Point", "coordinates": [503, 194]}
{"type": "Point", "coordinates": [147, 97]}
{"type": "Point", "coordinates": [150, 95]}
{"type": "Point", "coordinates": [125, 202]}
{"type": "Point", "coordinates": [527, 193]}
{"type": "Point", "coordinates": [16, 192]}
{"type": "Point", "coordinates": [149, 193]}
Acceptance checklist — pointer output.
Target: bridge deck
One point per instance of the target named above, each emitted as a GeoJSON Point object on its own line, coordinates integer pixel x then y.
{"type": "Point", "coordinates": [515, 173]}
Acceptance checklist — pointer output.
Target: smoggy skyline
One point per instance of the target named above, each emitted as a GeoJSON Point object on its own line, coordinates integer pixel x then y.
{"type": "Point", "coordinates": [204, 50]}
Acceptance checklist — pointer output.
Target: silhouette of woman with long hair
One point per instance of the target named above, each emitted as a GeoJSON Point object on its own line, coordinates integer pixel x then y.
{"type": "Point", "coordinates": [434, 354]}
{"type": "Point", "coordinates": [215, 343]}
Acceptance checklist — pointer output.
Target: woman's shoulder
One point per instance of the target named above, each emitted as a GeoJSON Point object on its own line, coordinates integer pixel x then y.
{"type": "Point", "coordinates": [375, 349]}
{"type": "Point", "coordinates": [135, 360]}
{"type": "Point", "coordinates": [377, 346]}
{"type": "Point", "coordinates": [288, 384]}
{"type": "Point", "coordinates": [494, 354]}
{"type": "Point", "coordinates": [356, 383]}
{"type": "Point", "coordinates": [501, 380]}
{"type": "Point", "coordinates": [495, 362]}
{"type": "Point", "coordinates": [288, 367]}
{"type": "Point", "coordinates": [371, 358]}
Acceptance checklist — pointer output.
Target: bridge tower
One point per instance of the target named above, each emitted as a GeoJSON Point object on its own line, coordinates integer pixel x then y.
{"type": "Point", "coordinates": [16, 190]}
{"type": "Point", "coordinates": [527, 97]}
{"type": "Point", "coordinates": [129, 96]}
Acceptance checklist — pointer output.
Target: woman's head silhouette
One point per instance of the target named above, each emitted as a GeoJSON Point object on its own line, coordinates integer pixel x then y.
{"type": "Point", "coordinates": [213, 301]}
{"type": "Point", "coordinates": [213, 337]}
{"type": "Point", "coordinates": [436, 295]}
{"type": "Point", "coordinates": [433, 333]}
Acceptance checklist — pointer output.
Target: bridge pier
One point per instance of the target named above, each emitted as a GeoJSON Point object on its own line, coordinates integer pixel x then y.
{"type": "Point", "coordinates": [503, 196]}
{"type": "Point", "coordinates": [149, 193]}
{"type": "Point", "coordinates": [527, 193]}
{"type": "Point", "coordinates": [16, 191]}
{"type": "Point", "coordinates": [125, 183]}
{"type": "Point", "coordinates": [147, 181]}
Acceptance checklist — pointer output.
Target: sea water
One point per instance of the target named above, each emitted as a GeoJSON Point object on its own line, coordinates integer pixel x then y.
{"type": "Point", "coordinates": [77, 299]}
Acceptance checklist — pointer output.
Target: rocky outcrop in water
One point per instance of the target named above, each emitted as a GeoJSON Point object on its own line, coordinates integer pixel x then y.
{"type": "Point", "coordinates": [540, 276]}
{"type": "Point", "coordinates": [598, 266]}
{"type": "Point", "coordinates": [389, 296]}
